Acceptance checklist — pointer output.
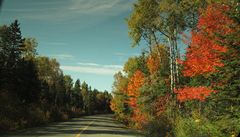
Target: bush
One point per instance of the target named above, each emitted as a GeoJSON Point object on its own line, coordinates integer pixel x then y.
{"type": "Point", "coordinates": [65, 116]}
{"type": "Point", "coordinates": [55, 115]}
{"type": "Point", "coordinates": [6, 124]}
{"type": "Point", "coordinates": [36, 116]}
{"type": "Point", "coordinates": [160, 127]}
{"type": "Point", "coordinates": [190, 127]}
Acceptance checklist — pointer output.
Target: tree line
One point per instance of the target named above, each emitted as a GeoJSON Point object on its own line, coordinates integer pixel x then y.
{"type": "Point", "coordinates": [34, 90]}
{"type": "Point", "coordinates": [197, 94]}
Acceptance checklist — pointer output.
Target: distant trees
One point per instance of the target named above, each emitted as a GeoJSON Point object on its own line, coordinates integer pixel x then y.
{"type": "Point", "coordinates": [76, 95]}
{"type": "Point", "coordinates": [34, 90]}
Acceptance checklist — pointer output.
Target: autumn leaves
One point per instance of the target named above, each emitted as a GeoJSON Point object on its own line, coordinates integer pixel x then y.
{"type": "Point", "coordinates": [168, 95]}
{"type": "Point", "coordinates": [204, 52]}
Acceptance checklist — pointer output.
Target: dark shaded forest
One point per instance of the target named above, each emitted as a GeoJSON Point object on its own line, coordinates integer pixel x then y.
{"type": "Point", "coordinates": [33, 88]}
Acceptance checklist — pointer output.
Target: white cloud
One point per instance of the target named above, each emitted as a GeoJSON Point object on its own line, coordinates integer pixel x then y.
{"type": "Point", "coordinates": [87, 64]}
{"type": "Point", "coordinates": [62, 56]}
{"type": "Point", "coordinates": [94, 68]}
{"type": "Point", "coordinates": [119, 54]}
{"type": "Point", "coordinates": [113, 66]}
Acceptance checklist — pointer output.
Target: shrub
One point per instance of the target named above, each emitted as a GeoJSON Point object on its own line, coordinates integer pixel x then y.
{"type": "Point", "coordinates": [160, 127]}
{"type": "Point", "coordinates": [36, 116]}
{"type": "Point", "coordinates": [189, 127]}
{"type": "Point", "coordinates": [6, 124]}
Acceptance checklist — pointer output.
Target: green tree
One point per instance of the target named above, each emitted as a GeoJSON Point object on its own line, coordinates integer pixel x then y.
{"type": "Point", "coordinates": [11, 43]}
{"type": "Point", "coordinates": [29, 48]}
{"type": "Point", "coordinates": [68, 81]}
{"type": "Point", "coordinates": [60, 91]}
{"type": "Point", "coordinates": [85, 94]}
{"type": "Point", "coordinates": [77, 95]}
{"type": "Point", "coordinates": [225, 104]}
{"type": "Point", "coordinates": [68, 84]}
{"type": "Point", "coordinates": [91, 101]}
{"type": "Point", "coordinates": [136, 63]}
{"type": "Point", "coordinates": [119, 103]}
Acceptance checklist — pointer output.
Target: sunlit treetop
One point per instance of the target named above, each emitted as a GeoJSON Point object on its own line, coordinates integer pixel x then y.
{"type": "Point", "coordinates": [204, 52]}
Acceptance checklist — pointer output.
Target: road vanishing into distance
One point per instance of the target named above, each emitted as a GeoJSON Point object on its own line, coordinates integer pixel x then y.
{"type": "Point", "coordinates": [87, 126]}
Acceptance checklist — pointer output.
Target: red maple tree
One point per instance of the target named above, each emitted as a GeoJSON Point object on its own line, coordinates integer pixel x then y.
{"type": "Point", "coordinates": [203, 54]}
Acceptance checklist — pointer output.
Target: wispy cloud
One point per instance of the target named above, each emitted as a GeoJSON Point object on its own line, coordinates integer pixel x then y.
{"type": "Point", "coordinates": [113, 66]}
{"type": "Point", "coordinates": [99, 6]}
{"type": "Point", "coordinates": [62, 56]}
{"type": "Point", "coordinates": [119, 54]}
{"type": "Point", "coordinates": [93, 68]}
{"type": "Point", "coordinates": [63, 10]}
{"type": "Point", "coordinates": [87, 64]}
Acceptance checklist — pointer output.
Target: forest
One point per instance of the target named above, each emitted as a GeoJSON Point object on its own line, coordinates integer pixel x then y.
{"type": "Point", "coordinates": [165, 93]}
{"type": "Point", "coordinates": [33, 89]}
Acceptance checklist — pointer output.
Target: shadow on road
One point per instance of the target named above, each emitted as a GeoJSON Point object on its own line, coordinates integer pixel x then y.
{"type": "Point", "coordinates": [87, 126]}
{"type": "Point", "coordinates": [112, 132]}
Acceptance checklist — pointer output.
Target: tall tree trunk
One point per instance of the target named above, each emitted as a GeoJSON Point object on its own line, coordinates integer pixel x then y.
{"type": "Point", "coordinates": [173, 54]}
{"type": "Point", "coordinates": [171, 64]}
{"type": "Point", "coordinates": [176, 57]}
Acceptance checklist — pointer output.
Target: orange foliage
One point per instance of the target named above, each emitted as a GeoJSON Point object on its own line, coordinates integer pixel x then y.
{"type": "Point", "coordinates": [139, 118]}
{"type": "Point", "coordinates": [157, 58]}
{"type": "Point", "coordinates": [153, 63]}
{"type": "Point", "coordinates": [113, 105]}
{"type": "Point", "coordinates": [193, 93]}
{"type": "Point", "coordinates": [203, 53]}
{"type": "Point", "coordinates": [136, 81]}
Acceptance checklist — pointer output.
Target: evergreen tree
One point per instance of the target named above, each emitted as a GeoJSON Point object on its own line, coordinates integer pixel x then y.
{"type": "Point", "coordinates": [85, 95]}
{"type": "Point", "coordinates": [77, 95]}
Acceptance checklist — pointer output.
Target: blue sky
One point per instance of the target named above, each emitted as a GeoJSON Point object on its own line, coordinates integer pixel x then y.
{"type": "Point", "coordinates": [88, 37]}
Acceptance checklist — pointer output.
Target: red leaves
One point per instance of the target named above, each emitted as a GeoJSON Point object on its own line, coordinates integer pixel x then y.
{"type": "Point", "coordinates": [214, 20]}
{"type": "Point", "coordinates": [193, 93]}
{"type": "Point", "coordinates": [203, 54]}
